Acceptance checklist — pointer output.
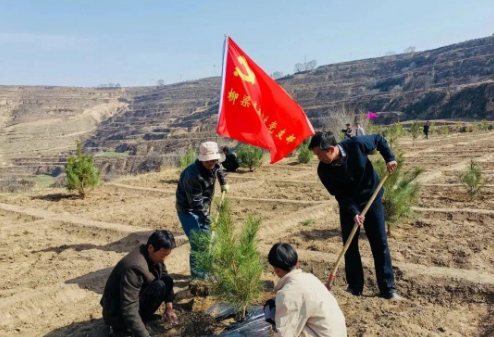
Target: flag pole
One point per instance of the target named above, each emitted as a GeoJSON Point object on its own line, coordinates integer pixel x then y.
{"type": "Point", "coordinates": [223, 73]}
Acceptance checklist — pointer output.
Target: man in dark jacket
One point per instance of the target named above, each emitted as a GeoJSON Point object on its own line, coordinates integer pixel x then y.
{"type": "Point", "coordinates": [347, 131]}
{"type": "Point", "coordinates": [426, 129]}
{"type": "Point", "coordinates": [138, 285]}
{"type": "Point", "coordinates": [348, 174]}
{"type": "Point", "coordinates": [230, 164]}
{"type": "Point", "coordinates": [195, 192]}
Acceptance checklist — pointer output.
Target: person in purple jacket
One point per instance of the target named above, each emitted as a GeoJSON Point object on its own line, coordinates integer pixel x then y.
{"type": "Point", "coordinates": [347, 173]}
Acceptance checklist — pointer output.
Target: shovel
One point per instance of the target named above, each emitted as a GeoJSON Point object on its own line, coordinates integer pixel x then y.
{"type": "Point", "coordinates": [332, 275]}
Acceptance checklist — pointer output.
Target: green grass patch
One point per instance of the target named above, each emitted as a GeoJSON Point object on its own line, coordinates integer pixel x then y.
{"type": "Point", "coordinates": [308, 222]}
{"type": "Point", "coordinates": [42, 180]}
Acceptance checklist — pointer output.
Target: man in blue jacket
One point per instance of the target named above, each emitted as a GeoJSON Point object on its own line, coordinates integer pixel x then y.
{"type": "Point", "coordinates": [348, 174]}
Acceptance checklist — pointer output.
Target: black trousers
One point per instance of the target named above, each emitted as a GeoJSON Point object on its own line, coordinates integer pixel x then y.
{"type": "Point", "coordinates": [375, 229]}
{"type": "Point", "coordinates": [150, 299]}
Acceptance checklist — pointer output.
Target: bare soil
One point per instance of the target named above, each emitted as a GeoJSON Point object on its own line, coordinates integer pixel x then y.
{"type": "Point", "coordinates": [56, 250]}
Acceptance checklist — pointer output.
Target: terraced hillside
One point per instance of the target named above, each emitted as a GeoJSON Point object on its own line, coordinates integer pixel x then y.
{"type": "Point", "coordinates": [39, 125]}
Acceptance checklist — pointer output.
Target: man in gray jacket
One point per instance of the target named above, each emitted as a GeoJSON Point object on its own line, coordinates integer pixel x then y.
{"type": "Point", "coordinates": [138, 285]}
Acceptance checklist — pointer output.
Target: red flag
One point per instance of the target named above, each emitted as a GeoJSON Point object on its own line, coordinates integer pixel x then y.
{"type": "Point", "coordinates": [254, 109]}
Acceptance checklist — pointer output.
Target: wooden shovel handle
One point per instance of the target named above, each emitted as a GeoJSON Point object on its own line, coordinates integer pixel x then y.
{"type": "Point", "coordinates": [332, 275]}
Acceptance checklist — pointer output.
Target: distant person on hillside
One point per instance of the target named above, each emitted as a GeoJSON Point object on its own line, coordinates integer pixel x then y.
{"type": "Point", "coordinates": [426, 130]}
{"type": "Point", "coordinates": [347, 173]}
{"type": "Point", "coordinates": [348, 131]}
{"type": "Point", "coordinates": [195, 193]}
{"type": "Point", "coordinates": [303, 306]}
{"type": "Point", "coordinates": [138, 285]}
{"type": "Point", "coordinates": [359, 130]}
{"type": "Point", "coordinates": [230, 164]}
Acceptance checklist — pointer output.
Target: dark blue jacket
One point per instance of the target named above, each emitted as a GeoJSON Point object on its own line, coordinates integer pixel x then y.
{"type": "Point", "coordinates": [353, 182]}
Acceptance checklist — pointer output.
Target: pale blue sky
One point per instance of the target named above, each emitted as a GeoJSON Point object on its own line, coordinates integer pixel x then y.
{"type": "Point", "coordinates": [85, 43]}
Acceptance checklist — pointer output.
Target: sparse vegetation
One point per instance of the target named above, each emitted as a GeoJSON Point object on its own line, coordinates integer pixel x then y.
{"type": "Point", "coordinates": [401, 191]}
{"type": "Point", "coordinates": [308, 222]}
{"type": "Point", "coordinates": [373, 129]}
{"type": "Point", "coordinates": [459, 126]}
{"type": "Point", "coordinates": [109, 86]}
{"type": "Point", "coordinates": [484, 125]}
{"type": "Point", "coordinates": [336, 120]}
{"type": "Point", "coordinates": [393, 134]}
{"type": "Point", "coordinates": [433, 129]}
{"type": "Point", "coordinates": [42, 180]}
{"type": "Point", "coordinates": [232, 258]}
{"type": "Point", "coordinates": [188, 158]}
{"type": "Point", "coordinates": [250, 156]}
{"type": "Point", "coordinates": [443, 130]}
{"type": "Point", "coordinates": [415, 131]}
{"type": "Point", "coordinates": [277, 74]}
{"type": "Point", "coordinates": [305, 155]}
{"type": "Point", "coordinates": [82, 175]}
{"type": "Point", "coordinates": [12, 184]}
{"type": "Point", "coordinates": [306, 66]}
{"type": "Point", "coordinates": [472, 179]}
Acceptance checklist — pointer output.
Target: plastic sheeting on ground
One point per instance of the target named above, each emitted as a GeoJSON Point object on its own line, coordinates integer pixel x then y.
{"type": "Point", "coordinates": [253, 325]}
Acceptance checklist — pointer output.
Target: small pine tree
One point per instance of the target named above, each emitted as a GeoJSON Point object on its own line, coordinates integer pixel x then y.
{"type": "Point", "coordinates": [444, 130]}
{"type": "Point", "coordinates": [373, 129]}
{"type": "Point", "coordinates": [475, 126]}
{"type": "Point", "coordinates": [393, 134]}
{"type": "Point", "coordinates": [401, 191]}
{"type": "Point", "coordinates": [188, 158]}
{"type": "Point", "coordinates": [250, 156]}
{"type": "Point", "coordinates": [434, 129]}
{"type": "Point", "coordinates": [472, 179]}
{"type": "Point", "coordinates": [233, 259]}
{"type": "Point", "coordinates": [484, 125]}
{"type": "Point", "coordinates": [459, 126]}
{"type": "Point", "coordinates": [304, 154]}
{"type": "Point", "coordinates": [82, 175]}
{"type": "Point", "coordinates": [415, 130]}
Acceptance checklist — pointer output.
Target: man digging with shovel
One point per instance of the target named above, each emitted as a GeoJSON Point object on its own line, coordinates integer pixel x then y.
{"type": "Point", "coordinates": [195, 193]}
{"type": "Point", "coordinates": [348, 174]}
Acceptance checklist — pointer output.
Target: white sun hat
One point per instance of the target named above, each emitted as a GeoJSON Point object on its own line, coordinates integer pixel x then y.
{"type": "Point", "coordinates": [209, 151]}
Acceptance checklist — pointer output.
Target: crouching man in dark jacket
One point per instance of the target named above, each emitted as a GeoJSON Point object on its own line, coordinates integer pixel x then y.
{"type": "Point", "coordinates": [138, 285]}
{"type": "Point", "coordinates": [195, 192]}
{"type": "Point", "coordinates": [230, 164]}
{"type": "Point", "coordinates": [348, 174]}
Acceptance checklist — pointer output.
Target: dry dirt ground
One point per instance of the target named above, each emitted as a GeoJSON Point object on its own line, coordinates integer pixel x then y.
{"type": "Point", "coordinates": [56, 251]}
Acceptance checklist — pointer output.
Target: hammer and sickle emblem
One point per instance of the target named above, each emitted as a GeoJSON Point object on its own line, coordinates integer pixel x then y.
{"type": "Point", "coordinates": [249, 77]}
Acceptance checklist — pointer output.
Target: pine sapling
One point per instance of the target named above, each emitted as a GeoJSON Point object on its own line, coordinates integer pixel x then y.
{"type": "Point", "coordinates": [472, 179]}
{"type": "Point", "coordinates": [233, 259]}
{"type": "Point", "coordinates": [401, 191]}
{"type": "Point", "coordinates": [188, 158]}
{"type": "Point", "coordinates": [444, 130]}
{"type": "Point", "coordinates": [82, 175]}
{"type": "Point", "coordinates": [393, 134]}
{"type": "Point", "coordinates": [250, 156]}
{"type": "Point", "coordinates": [305, 155]}
{"type": "Point", "coordinates": [459, 126]}
{"type": "Point", "coordinates": [433, 129]}
{"type": "Point", "coordinates": [415, 130]}
{"type": "Point", "coordinates": [484, 125]}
